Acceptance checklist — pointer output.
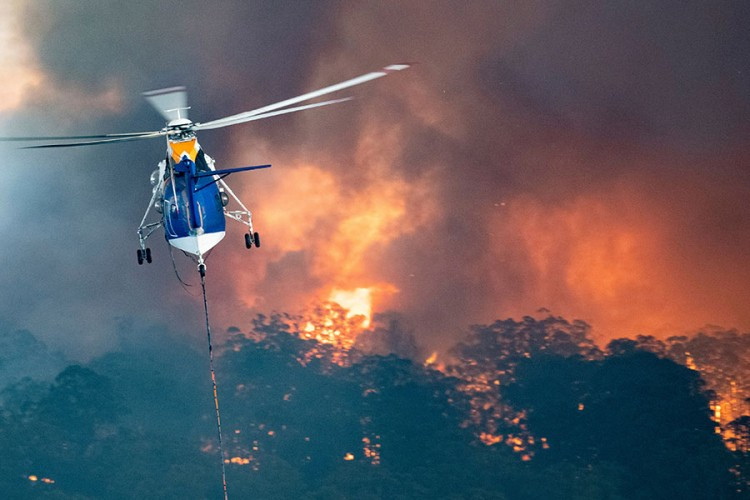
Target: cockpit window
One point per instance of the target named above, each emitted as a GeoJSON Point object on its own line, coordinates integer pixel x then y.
{"type": "Point", "coordinates": [181, 136]}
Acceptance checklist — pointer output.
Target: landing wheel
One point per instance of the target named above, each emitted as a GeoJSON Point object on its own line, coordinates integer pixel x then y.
{"type": "Point", "coordinates": [256, 239]}
{"type": "Point", "coordinates": [148, 255]}
{"type": "Point", "coordinates": [140, 257]}
{"type": "Point", "coordinates": [248, 241]}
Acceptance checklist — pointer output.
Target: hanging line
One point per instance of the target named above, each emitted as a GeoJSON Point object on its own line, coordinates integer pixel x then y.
{"type": "Point", "coordinates": [202, 270]}
{"type": "Point", "coordinates": [179, 278]}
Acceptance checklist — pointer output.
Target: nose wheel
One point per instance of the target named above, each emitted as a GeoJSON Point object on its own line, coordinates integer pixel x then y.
{"type": "Point", "coordinates": [144, 254]}
{"type": "Point", "coordinates": [252, 239]}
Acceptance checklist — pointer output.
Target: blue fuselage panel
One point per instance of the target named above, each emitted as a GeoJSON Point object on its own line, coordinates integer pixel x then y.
{"type": "Point", "coordinates": [191, 214]}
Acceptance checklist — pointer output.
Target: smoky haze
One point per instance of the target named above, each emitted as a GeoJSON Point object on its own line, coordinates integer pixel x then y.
{"type": "Point", "coordinates": [586, 158]}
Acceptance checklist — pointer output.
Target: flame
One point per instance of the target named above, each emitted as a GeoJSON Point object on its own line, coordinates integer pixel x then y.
{"type": "Point", "coordinates": [331, 324]}
{"type": "Point", "coordinates": [432, 359]}
{"type": "Point", "coordinates": [371, 449]}
{"type": "Point", "coordinates": [34, 478]}
{"type": "Point", "coordinates": [489, 439]}
{"type": "Point", "coordinates": [357, 302]}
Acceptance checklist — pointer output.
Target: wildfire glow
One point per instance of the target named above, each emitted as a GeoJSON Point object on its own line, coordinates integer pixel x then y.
{"type": "Point", "coordinates": [239, 460]}
{"type": "Point", "coordinates": [371, 449]}
{"type": "Point", "coordinates": [15, 59]}
{"type": "Point", "coordinates": [490, 439]}
{"type": "Point", "coordinates": [432, 359]}
{"type": "Point", "coordinates": [357, 302]}
{"type": "Point", "coordinates": [34, 478]}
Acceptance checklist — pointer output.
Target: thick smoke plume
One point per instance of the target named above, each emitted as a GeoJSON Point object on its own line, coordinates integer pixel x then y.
{"type": "Point", "coordinates": [581, 157]}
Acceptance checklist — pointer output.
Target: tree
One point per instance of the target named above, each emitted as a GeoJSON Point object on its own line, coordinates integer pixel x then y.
{"type": "Point", "coordinates": [646, 415]}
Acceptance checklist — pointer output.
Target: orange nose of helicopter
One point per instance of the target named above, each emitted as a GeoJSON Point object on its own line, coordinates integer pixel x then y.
{"type": "Point", "coordinates": [178, 149]}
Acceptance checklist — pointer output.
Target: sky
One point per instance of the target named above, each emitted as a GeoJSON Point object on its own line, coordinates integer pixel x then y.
{"type": "Point", "coordinates": [583, 158]}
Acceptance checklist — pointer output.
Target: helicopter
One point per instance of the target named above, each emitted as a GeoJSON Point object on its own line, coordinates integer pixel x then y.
{"type": "Point", "coordinates": [188, 191]}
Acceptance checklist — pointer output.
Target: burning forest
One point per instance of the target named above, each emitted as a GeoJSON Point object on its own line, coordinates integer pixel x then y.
{"type": "Point", "coordinates": [588, 157]}
{"type": "Point", "coordinates": [319, 406]}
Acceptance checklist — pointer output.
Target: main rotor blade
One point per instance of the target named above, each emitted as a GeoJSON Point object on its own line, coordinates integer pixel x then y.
{"type": "Point", "coordinates": [152, 135]}
{"type": "Point", "coordinates": [74, 137]}
{"type": "Point", "coordinates": [240, 118]}
{"type": "Point", "coordinates": [171, 103]}
{"type": "Point", "coordinates": [227, 122]}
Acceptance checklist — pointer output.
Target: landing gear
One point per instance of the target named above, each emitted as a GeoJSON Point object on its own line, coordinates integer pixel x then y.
{"type": "Point", "coordinates": [144, 255]}
{"type": "Point", "coordinates": [252, 239]}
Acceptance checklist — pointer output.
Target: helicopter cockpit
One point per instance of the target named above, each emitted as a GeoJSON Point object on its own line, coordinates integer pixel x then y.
{"type": "Point", "coordinates": [181, 136]}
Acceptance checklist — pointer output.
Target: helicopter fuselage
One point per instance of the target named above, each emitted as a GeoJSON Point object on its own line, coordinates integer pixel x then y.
{"type": "Point", "coordinates": [191, 203]}
{"type": "Point", "coordinates": [191, 196]}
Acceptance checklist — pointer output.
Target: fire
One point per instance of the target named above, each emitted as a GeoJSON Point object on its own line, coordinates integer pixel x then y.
{"type": "Point", "coordinates": [357, 302]}
{"type": "Point", "coordinates": [432, 359]}
{"type": "Point", "coordinates": [34, 478]}
{"type": "Point", "coordinates": [489, 439]}
{"type": "Point", "coordinates": [371, 449]}
{"type": "Point", "coordinates": [331, 324]}
{"type": "Point", "coordinates": [341, 319]}
{"type": "Point", "coordinates": [333, 234]}
{"type": "Point", "coordinates": [239, 460]}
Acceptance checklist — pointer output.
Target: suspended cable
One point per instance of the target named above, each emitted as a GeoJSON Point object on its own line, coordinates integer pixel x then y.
{"type": "Point", "coordinates": [179, 278]}
{"type": "Point", "coordinates": [202, 270]}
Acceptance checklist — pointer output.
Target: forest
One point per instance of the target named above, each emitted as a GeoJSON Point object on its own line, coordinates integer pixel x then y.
{"type": "Point", "coordinates": [519, 409]}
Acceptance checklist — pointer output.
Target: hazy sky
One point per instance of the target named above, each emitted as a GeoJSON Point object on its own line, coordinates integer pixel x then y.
{"type": "Point", "coordinates": [585, 157]}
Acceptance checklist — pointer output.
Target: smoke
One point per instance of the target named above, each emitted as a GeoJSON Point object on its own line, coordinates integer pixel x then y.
{"type": "Point", "coordinates": [576, 157]}
{"type": "Point", "coordinates": [581, 157]}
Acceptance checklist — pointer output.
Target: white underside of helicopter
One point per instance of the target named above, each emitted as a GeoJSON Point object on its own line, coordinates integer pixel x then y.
{"type": "Point", "coordinates": [198, 244]}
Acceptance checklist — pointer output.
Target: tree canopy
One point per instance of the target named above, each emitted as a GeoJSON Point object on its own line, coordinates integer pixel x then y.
{"type": "Point", "coordinates": [528, 409]}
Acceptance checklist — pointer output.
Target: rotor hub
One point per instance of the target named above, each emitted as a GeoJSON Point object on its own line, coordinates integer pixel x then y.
{"type": "Point", "coordinates": [179, 123]}
{"type": "Point", "coordinates": [180, 129]}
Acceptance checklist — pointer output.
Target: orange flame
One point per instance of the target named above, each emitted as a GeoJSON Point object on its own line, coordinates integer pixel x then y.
{"type": "Point", "coordinates": [357, 302]}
